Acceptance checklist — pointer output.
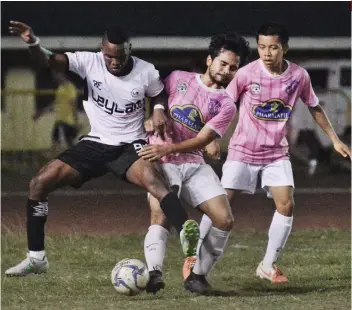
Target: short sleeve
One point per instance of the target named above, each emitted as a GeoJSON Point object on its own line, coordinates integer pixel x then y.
{"type": "Point", "coordinates": [236, 86]}
{"type": "Point", "coordinates": [155, 85]}
{"type": "Point", "coordinates": [222, 120]}
{"type": "Point", "coordinates": [79, 62]}
{"type": "Point", "coordinates": [169, 82]}
{"type": "Point", "coordinates": [308, 95]}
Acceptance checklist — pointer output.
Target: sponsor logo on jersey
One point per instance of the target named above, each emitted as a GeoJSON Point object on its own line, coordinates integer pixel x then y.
{"type": "Point", "coordinates": [272, 110]}
{"type": "Point", "coordinates": [189, 116]}
{"type": "Point", "coordinates": [135, 92]}
{"type": "Point", "coordinates": [255, 89]}
{"type": "Point", "coordinates": [214, 107]}
{"type": "Point", "coordinates": [182, 87]}
{"type": "Point", "coordinates": [111, 107]}
{"type": "Point", "coordinates": [291, 86]}
{"type": "Point", "coordinates": [97, 84]}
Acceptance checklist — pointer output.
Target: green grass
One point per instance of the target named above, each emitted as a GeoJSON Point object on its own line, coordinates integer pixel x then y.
{"type": "Point", "coordinates": [317, 262]}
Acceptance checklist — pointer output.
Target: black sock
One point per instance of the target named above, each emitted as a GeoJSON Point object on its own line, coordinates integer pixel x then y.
{"type": "Point", "coordinates": [174, 211]}
{"type": "Point", "coordinates": [37, 212]}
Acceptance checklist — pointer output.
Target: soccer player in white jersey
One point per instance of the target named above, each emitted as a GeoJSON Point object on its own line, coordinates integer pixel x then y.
{"type": "Point", "coordinates": [117, 85]}
{"type": "Point", "coordinates": [199, 112]}
{"type": "Point", "coordinates": [267, 90]}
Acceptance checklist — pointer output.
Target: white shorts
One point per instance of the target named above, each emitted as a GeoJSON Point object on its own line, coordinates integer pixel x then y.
{"type": "Point", "coordinates": [196, 183]}
{"type": "Point", "coordinates": [242, 176]}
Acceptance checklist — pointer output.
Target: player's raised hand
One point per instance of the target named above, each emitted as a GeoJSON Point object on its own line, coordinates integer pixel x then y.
{"type": "Point", "coordinates": [22, 30]}
{"type": "Point", "coordinates": [342, 148]}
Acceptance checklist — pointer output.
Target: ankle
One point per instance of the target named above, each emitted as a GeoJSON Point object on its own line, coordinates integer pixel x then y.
{"type": "Point", "coordinates": [37, 254]}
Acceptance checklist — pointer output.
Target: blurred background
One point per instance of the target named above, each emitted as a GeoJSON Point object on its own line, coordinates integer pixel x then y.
{"type": "Point", "coordinates": [171, 35]}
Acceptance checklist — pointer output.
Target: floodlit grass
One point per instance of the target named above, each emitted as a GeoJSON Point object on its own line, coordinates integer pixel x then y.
{"type": "Point", "coordinates": [318, 264]}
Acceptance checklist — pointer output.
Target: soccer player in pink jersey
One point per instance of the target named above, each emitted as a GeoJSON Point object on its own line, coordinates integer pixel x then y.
{"type": "Point", "coordinates": [199, 112]}
{"type": "Point", "coordinates": [267, 90]}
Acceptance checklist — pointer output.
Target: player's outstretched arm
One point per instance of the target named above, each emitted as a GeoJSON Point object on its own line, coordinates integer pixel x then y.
{"type": "Point", "coordinates": [322, 120]}
{"type": "Point", "coordinates": [159, 108]}
{"type": "Point", "coordinates": [156, 151]}
{"type": "Point", "coordinates": [44, 57]}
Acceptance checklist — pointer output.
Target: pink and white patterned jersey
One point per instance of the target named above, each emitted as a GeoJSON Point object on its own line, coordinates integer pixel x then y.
{"type": "Point", "coordinates": [266, 103]}
{"type": "Point", "coordinates": [192, 105]}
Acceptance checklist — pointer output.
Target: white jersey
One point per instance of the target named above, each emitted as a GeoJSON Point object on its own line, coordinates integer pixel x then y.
{"type": "Point", "coordinates": [115, 106]}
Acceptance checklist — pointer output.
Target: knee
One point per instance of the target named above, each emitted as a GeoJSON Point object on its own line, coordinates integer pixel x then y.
{"type": "Point", "coordinates": [224, 223]}
{"type": "Point", "coordinates": [285, 207]}
{"type": "Point", "coordinates": [38, 184]}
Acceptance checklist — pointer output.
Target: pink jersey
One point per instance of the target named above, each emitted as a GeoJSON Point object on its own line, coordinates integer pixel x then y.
{"type": "Point", "coordinates": [266, 103]}
{"type": "Point", "coordinates": [192, 105]}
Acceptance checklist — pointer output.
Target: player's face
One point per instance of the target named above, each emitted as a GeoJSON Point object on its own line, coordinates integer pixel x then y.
{"type": "Point", "coordinates": [116, 56]}
{"type": "Point", "coordinates": [270, 50]}
{"type": "Point", "coordinates": [222, 68]}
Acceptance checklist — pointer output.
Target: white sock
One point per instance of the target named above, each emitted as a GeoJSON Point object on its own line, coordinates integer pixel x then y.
{"type": "Point", "coordinates": [37, 254]}
{"type": "Point", "coordinates": [279, 231]}
{"type": "Point", "coordinates": [204, 227]}
{"type": "Point", "coordinates": [211, 250]}
{"type": "Point", "coordinates": [155, 247]}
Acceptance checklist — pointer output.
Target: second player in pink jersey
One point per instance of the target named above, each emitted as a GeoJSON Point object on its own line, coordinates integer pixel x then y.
{"type": "Point", "coordinates": [267, 90]}
{"type": "Point", "coordinates": [199, 112]}
{"type": "Point", "coordinates": [266, 102]}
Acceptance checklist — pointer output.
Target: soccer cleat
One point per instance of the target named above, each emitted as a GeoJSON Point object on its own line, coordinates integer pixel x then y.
{"type": "Point", "coordinates": [188, 266]}
{"type": "Point", "coordinates": [28, 266]}
{"type": "Point", "coordinates": [156, 282]}
{"type": "Point", "coordinates": [197, 284]}
{"type": "Point", "coordinates": [273, 274]}
{"type": "Point", "coordinates": [189, 237]}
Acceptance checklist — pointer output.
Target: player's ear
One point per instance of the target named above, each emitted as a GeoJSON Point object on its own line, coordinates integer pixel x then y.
{"type": "Point", "coordinates": [285, 48]}
{"type": "Point", "coordinates": [209, 61]}
{"type": "Point", "coordinates": [129, 48]}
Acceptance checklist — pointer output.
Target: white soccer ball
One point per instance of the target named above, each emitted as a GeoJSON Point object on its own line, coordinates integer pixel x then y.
{"type": "Point", "coordinates": [130, 276]}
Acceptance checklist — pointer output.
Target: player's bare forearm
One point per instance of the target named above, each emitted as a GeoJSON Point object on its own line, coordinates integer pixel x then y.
{"type": "Point", "coordinates": [160, 99]}
{"type": "Point", "coordinates": [190, 145]}
{"type": "Point", "coordinates": [159, 114]}
{"type": "Point", "coordinates": [322, 120]}
{"type": "Point", "coordinates": [204, 137]}
{"type": "Point", "coordinates": [42, 56]}
{"type": "Point", "coordinates": [157, 151]}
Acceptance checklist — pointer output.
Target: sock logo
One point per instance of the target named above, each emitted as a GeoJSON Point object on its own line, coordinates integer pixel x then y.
{"type": "Point", "coordinates": [41, 209]}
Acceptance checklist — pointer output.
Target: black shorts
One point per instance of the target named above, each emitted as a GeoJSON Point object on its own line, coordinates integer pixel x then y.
{"type": "Point", "coordinates": [91, 159]}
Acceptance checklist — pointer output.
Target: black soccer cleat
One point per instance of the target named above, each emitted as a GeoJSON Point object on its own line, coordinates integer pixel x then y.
{"type": "Point", "coordinates": [197, 284]}
{"type": "Point", "coordinates": [156, 282]}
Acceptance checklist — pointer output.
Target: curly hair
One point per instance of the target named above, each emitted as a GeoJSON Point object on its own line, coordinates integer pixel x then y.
{"type": "Point", "coordinates": [230, 41]}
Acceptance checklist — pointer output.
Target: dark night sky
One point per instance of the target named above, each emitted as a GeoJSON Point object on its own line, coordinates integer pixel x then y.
{"type": "Point", "coordinates": [179, 18]}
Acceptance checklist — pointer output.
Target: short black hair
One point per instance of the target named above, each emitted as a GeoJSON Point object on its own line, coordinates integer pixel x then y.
{"type": "Point", "coordinates": [274, 29]}
{"type": "Point", "coordinates": [230, 41]}
{"type": "Point", "coordinates": [116, 34]}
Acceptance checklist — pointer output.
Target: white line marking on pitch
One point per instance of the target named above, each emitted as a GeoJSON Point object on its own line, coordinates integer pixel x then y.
{"type": "Point", "coordinates": [136, 192]}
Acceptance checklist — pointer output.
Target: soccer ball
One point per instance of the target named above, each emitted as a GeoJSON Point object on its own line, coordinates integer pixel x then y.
{"type": "Point", "coordinates": [130, 277]}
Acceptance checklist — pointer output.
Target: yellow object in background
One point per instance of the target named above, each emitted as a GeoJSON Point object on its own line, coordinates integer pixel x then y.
{"type": "Point", "coordinates": [65, 103]}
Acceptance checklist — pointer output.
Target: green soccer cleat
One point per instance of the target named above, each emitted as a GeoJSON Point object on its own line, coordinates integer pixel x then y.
{"type": "Point", "coordinates": [189, 237]}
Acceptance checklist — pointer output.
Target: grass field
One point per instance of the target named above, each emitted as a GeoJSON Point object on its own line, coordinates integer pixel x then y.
{"type": "Point", "coordinates": [318, 264]}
